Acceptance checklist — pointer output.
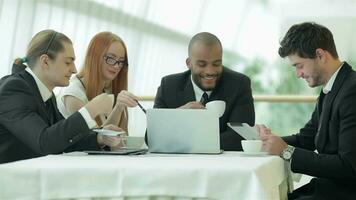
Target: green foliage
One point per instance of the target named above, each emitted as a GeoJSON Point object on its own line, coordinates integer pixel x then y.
{"type": "Point", "coordinates": [254, 70]}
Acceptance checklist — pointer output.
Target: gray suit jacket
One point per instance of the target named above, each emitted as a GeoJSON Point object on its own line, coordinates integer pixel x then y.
{"type": "Point", "coordinates": [234, 88]}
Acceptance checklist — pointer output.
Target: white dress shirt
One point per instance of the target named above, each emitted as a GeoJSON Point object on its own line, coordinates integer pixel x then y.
{"type": "Point", "coordinates": [331, 81]}
{"type": "Point", "coordinates": [197, 91]}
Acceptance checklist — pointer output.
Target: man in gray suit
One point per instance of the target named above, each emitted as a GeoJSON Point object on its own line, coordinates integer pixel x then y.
{"type": "Point", "coordinates": [325, 147]}
{"type": "Point", "coordinates": [207, 80]}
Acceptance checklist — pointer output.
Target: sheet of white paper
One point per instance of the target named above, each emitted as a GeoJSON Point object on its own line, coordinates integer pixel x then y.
{"type": "Point", "coordinates": [108, 132]}
{"type": "Point", "coordinates": [245, 130]}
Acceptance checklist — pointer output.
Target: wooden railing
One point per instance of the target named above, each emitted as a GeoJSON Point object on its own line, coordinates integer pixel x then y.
{"type": "Point", "coordinates": [265, 98]}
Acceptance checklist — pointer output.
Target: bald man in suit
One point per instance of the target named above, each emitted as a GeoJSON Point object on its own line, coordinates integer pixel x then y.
{"type": "Point", "coordinates": [207, 80]}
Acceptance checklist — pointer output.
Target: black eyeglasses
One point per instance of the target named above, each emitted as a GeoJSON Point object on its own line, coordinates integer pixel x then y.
{"type": "Point", "coordinates": [112, 61]}
{"type": "Point", "coordinates": [50, 42]}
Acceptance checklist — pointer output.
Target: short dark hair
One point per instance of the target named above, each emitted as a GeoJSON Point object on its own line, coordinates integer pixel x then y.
{"type": "Point", "coordinates": [206, 38]}
{"type": "Point", "coordinates": [303, 39]}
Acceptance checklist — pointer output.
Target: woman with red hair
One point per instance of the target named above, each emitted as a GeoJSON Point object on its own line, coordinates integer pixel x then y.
{"type": "Point", "coordinates": [105, 71]}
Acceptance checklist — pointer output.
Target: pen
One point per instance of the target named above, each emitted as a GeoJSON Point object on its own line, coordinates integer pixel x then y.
{"type": "Point", "coordinates": [144, 110]}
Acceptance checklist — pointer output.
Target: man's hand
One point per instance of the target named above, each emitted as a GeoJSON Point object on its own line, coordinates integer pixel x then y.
{"type": "Point", "coordinates": [272, 144]}
{"type": "Point", "coordinates": [114, 128]}
{"type": "Point", "coordinates": [125, 98]}
{"type": "Point", "coordinates": [263, 131]}
{"type": "Point", "coordinates": [193, 105]}
{"type": "Point", "coordinates": [101, 104]}
{"type": "Point", "coordinates": [114, 142]}
{"type": "Point", "coordinates": [111, 141]}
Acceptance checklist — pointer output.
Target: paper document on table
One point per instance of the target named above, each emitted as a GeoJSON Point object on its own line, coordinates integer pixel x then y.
{"type": "Point", "coordinates": [108, 132]}
{"type": "Point", "coordinates": [245, 130]}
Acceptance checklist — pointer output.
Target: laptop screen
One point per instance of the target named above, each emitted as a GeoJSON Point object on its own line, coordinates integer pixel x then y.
{"type": "Point", "coordinates": [183, 131]}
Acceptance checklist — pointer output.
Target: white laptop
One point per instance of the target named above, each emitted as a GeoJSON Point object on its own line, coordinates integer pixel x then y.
{"type": "Point", "coordinates": [183, 131]}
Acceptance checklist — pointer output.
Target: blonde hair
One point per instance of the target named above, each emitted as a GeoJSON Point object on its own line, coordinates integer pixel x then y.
{"type": "Point", "coordinates": [47, 42]}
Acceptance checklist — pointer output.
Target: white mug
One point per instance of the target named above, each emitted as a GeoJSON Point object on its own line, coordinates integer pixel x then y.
{"type": "Point", "coordinates": [251, 146]}
{"type": "Point", "coordinates": [217, 107]}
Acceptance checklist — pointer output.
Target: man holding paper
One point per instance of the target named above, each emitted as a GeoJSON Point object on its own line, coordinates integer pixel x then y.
{"type": "Point", "coordinates": [325, 147]}
{"type": "Point", "coordinates": [208, 80]}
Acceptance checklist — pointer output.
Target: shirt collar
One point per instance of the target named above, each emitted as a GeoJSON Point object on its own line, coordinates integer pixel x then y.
{"type": "Point", "coordinates": [44, 91]}
{"type": "Point", "coordinates": [197, 91]}
{"type": "Point", "coordinates": [331, 81]}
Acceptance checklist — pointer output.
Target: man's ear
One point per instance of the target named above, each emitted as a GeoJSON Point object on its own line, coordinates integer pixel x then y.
{"type": "Point", "coordinates": [43, 61]}
{"type": "Point", "coordinates": [188, 62]}
{"type": "Point", "coordinates": [320, 54]}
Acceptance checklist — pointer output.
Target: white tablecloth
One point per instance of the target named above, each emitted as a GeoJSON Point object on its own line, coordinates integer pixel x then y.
{"type": "Point", "coordinates": [231, 175]}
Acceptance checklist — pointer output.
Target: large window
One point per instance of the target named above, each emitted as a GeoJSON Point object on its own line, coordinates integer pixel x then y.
{"type": "Point", "coordinates": [157, 33]}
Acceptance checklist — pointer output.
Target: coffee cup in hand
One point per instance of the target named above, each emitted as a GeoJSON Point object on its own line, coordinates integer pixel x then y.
{"type": "Point", "coordinates": [251, 146]}
{"type": "Point", "coordinates": [218, 107]}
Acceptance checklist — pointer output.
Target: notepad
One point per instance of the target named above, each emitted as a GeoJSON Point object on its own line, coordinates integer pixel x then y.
{"type": "Point", "coordinates": [245, 130]}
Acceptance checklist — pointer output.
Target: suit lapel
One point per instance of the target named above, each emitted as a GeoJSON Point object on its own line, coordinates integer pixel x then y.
{"type": "Point", "coordinates": [218, 92]}
{"type": "Point", "coordinates": [41, 105]}
{"type": "Point", "coordinates": [187, 93]}
{"type": "Point", "coordinates": [223, 88]}
{"type": "Point", "coordinates": [323, 132]}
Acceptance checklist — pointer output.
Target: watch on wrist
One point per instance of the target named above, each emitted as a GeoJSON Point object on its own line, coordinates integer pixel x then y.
{"type": "Point", "coordinates": [287, 153]}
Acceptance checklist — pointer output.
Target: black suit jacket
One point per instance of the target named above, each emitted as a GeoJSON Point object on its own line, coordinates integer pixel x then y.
{"type": "Point", "coordinates": [28, 129]}
{"type": "Point", "coordinates": [333, 134]}
{"type": "Point", "coordinates": [234, 88]}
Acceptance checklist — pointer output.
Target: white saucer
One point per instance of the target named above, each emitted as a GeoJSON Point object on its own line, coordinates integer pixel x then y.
{"type": "Point", "coordinates": [262, 153]}
{"type": "Point", "coordinates": [107, 132]}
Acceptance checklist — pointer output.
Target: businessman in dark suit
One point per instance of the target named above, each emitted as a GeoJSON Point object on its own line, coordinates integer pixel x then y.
{"type": "Point", "coordinates": [325, 147]}
{"type": "Point", "coordinates": [21, 134]}
{"type": "Point", "coordinates": [207, 80]}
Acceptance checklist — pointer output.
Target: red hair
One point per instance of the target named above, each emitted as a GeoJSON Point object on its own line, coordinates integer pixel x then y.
{"type": "Point", "coordinates": [92, 69]}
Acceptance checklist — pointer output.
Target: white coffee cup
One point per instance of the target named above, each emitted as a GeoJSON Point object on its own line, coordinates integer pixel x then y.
{"type": "Point", "coordinates": [132, 142]}
{"type": "Point", "coordinates": [217, 107]}
{"type": "Point", "coordinates": [251, 146]}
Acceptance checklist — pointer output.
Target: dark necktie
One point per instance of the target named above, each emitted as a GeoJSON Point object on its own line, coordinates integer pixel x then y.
{"type": "Point", "coordinates": [321, 108]}
{"type": "Point", "coordinates": [50, 110]}
{"type": "Point", "coordinates": [204, 99]}
{"type": "Point", "coordinates": [321, 102]}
